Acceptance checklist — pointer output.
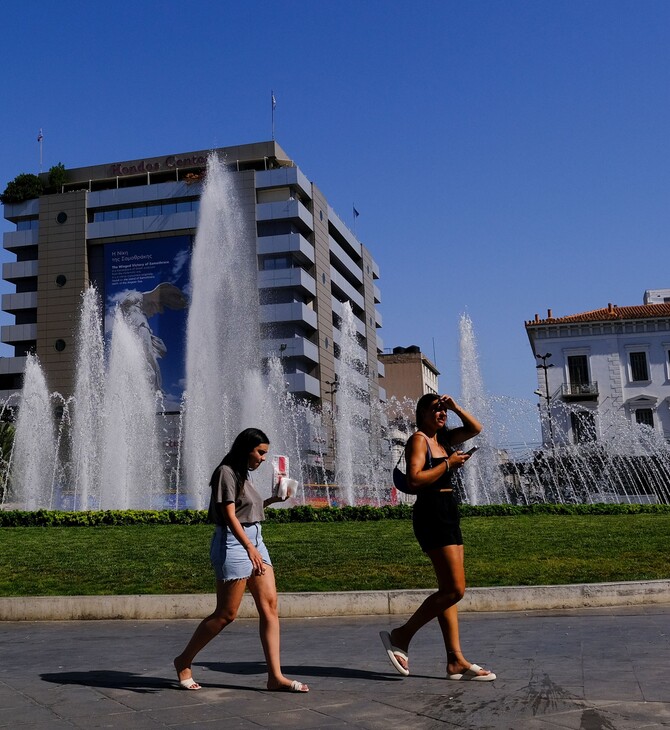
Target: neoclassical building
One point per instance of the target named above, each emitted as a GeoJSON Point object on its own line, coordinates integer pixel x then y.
{"type": "Point", "coordinates": [605, 364]}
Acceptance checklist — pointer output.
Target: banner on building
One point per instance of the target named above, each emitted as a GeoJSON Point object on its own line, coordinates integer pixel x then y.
{"type": "Point", "coordinates": [148, 279]}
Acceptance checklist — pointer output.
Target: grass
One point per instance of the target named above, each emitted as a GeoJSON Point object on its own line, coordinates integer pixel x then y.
{"type": "Point", "coordinates": [519, 550]}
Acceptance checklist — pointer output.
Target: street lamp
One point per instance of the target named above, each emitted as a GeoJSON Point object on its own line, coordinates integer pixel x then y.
{"type": "Point", "coordinates": [334, 384]}
{"type": "Point", "coordinates": [544, 366]}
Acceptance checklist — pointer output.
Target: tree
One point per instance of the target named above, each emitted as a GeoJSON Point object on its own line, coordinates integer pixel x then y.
{"type": "Point", "coordinates": [22, 187]}
{"type": "Point", "coordinates": [57, 178]}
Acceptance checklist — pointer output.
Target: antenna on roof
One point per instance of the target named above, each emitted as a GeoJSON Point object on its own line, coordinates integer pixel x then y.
{"type": "Point", "coordinates": [434, 358]}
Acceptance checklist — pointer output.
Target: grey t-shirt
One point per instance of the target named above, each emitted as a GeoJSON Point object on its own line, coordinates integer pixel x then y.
{"type": "Point", "coordinates": [248, 503]}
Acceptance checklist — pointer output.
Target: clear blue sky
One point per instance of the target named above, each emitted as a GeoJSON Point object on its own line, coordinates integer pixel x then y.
{"type": "Point", "coordinates": [505, 157]}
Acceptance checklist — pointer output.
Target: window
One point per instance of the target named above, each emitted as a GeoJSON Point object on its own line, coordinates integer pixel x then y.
{"type": "Point", "coordinates": [144, 209]}
{"type": "Point", "coordinates": [578, 369]}
{"type": "Point", "coordinates": [583, 426]}
{"type": "Point", "coordinates": [638, 366]}
{"type": "Point", "coordinates": [644, 416]}
{"type": "Point", "coordinates": [276, 262]}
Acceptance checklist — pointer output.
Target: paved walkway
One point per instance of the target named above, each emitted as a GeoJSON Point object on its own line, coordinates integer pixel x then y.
{"type": "Point", "coordinates": [581, 669]}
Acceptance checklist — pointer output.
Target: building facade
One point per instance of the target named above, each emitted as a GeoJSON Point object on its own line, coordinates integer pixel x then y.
{"type": "Point", "coordinates": [408, 373]}
{"type": "Point", "coordinates": [601, 366]}
{"type": "Point", "coordinates": [309, 262]}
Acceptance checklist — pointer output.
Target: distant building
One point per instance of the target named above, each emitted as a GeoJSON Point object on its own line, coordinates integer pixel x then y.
{"type": "Point", "coordinates": [408, 373]}
{"type": "Point", "coordinates": [604, 364]}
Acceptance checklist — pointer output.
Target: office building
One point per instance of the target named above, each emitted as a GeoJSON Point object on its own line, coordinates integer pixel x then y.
{"type": "Point", "coordinates": [124, 219]}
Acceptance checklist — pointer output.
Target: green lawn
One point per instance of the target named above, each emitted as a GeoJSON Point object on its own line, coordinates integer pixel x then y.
{"type": "Point", "coordinates": [519, 550]}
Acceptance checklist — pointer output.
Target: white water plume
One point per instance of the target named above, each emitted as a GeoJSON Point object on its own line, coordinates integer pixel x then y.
{"type": "Point", "coordinates": [223, 388]}
{"type": "Point", "coordinates": [132, 475]}
{"type": "Point", "coordinates": [34, 456]}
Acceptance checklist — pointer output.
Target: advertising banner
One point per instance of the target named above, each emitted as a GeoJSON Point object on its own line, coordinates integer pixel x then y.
{"type": "Point", "coordinates": [149, 280]}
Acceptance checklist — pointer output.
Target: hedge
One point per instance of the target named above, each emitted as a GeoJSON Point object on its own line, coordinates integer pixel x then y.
{"type": "Point", "coordinates": [306, 513]}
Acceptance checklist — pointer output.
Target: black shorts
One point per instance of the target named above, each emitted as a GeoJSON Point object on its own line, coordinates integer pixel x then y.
{"type": "Point", "coordinates": [436, 520]}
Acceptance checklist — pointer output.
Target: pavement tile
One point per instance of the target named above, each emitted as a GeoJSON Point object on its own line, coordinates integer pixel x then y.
{"type": "Point", "coordinates": [119, 674]}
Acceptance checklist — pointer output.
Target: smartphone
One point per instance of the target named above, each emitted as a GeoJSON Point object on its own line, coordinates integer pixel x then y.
{"type": "Point", "coordinates": [471, 451]}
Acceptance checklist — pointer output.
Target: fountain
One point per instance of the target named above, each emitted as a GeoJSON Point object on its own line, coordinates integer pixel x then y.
{"type": "Point", "coordinates": [113, 459]}
{"type": "Point", "coordinates": [482, 476]}
{"type": "Point", "coordinates": [104, 450]}
{"type": "Point", "coordinates": [33, 459]}
{"type": "Point", "coordinates": [628, 463]}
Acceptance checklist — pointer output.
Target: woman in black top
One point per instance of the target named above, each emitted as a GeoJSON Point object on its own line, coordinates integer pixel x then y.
{"type": "Point", "coordinates": [240, 559]}
{"type": "Point", "coordinates": [431, 459]}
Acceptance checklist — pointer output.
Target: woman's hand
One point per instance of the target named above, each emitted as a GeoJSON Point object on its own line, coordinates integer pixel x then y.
{"type": "Point", "coordinates": [256, 559]}
{"type": "Point", "coordinates": [471, 426]}
{"type": "Point", "coordinates": [274, 499]}
{"type": "Point", "coordinates": [457, 459]}
{"type": "Point", "coordinates": [448, 403]}
{"type": "Point", "coordinates": [242, 537]}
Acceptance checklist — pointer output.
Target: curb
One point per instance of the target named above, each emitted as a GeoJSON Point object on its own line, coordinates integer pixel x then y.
{"type": "Point", "coordinates": [318, 605]}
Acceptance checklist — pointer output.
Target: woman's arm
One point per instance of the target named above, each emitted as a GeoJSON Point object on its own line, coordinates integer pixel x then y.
{"type": "Point", "coordinates": [237, 530]}
{"type": "Point", "coordinates": [415, 457]}
{"type": "Point", "coordinates": [273, 500]}
{"type": "Point", "coordinates": [471, 426]}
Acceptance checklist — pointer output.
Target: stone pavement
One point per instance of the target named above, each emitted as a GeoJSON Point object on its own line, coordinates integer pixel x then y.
{"type": "Point", "coordinates": [581, 669]}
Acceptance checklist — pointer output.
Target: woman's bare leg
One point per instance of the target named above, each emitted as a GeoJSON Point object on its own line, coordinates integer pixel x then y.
{"type": "Point", "coordinates": [448, 565]}
{"type": "Point", "coordinates": [228, 598]}
{"type": "Point", "coordinates": [264, 591]}
{"type": "Point", "coordinates": [448, 620]}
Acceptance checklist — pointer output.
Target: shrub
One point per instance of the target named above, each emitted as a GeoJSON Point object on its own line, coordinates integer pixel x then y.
{"type": "Point", "coordinates": [307, 513]}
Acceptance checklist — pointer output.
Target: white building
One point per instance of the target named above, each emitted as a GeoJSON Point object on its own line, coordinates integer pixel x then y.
{"type": "Point", "coordinates": [597, 367]}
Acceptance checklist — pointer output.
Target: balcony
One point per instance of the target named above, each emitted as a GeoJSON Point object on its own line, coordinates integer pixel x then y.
{"type": "Point", "coordinates": [579, 391]}
{"type": "Point", "coordinates": [13, 303]}
{"type": "Point", "coordinates": [13, 271]}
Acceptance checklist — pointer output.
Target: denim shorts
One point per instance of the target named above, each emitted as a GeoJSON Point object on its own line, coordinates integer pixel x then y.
{"type": "Point", "coordinates": [229, 558]}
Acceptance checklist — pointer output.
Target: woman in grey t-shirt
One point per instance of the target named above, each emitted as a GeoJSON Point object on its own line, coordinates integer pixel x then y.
{"type": "Point", "coordinates": [240, 559]}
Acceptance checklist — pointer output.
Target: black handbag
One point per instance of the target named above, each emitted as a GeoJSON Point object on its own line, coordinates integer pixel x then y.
{"type": "Point", "coordinates": [399, 475]}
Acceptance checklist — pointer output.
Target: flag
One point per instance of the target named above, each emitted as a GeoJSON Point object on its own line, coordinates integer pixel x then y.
{"type": "Point", "coordinates": [274, 101]}
{"type": "Point", "coordinates": [356, 213]}
{"type": "Point", "coordinates": [40, 136]}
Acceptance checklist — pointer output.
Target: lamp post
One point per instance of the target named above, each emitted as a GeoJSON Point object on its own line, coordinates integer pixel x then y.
{"type": "Point", "coordinates": [544, 366]}
{"type": "Point", "coordinates": [334, 383]}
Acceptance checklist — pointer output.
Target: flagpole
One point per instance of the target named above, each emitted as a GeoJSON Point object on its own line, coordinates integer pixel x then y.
{"type": "Point", "coordinates": [40, 137]}
{"type": "Point", "coordinates": [274, 104]}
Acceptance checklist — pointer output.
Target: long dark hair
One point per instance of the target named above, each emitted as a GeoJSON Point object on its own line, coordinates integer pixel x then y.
{"type": "Point", "coordinates": [238, 456]}
{"type": "Point", "coordinates": [422, 406]}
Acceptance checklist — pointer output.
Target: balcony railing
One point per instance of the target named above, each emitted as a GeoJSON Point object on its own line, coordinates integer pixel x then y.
{"type": "Point", "coordinates": [579, 391]}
